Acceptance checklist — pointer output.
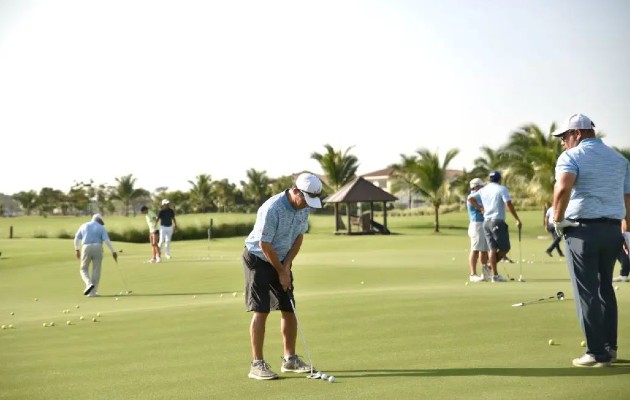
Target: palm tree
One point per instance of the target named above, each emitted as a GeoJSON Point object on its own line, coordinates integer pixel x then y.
{"type": "Point", "coordinates": [404, 178]}
{"type": "Point", "coordinates": [126, 193]}
{"type": "Point", "coordinates": [490, 160]}
{"type": "Point", "coordinates": [257, 188]}
{"type": "Point", "coordinates": [224, 193]}
{"type": "Point", "coordinates": [532, 157]}
{"type": "Point", "coordinates": [431, 179]}
{"type": "Point", "coordinates": [201, 193]}
{"type": "Point", "coordinates": [339, 168]}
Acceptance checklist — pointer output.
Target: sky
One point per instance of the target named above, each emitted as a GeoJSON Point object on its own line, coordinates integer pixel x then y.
{"type": "Point", "coordinates": [168, 90]}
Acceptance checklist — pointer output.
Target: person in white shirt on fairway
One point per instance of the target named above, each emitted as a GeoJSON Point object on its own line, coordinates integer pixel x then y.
{"type": "Point", "coordinates": [492, 200]}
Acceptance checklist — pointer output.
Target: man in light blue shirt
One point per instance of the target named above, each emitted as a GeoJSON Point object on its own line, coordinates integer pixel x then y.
{"type": "Point", "coordinates": [268, 257]}
{"type": "Point", "coordinates": [591, 197]}
{"type": "Point", "coordinates": [88, 246]}
{"type": "Point", "coordinates": [492, 200]}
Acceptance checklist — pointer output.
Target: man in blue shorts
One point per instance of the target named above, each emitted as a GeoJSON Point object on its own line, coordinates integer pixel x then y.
{"type": "Point", "coordinates": [591, 197]}
{"type": "Point", "coordinates": [492, 200]}
{"type": "Point", "coordinates": [268, 258]}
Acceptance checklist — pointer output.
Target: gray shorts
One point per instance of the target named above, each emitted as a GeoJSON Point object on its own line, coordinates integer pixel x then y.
{"type": "Point", "coordinates": [497, 234]}
{"type": "Point", "coordinates": [477, 237]}
{"type": "Point", "coordinates": [263, 292]}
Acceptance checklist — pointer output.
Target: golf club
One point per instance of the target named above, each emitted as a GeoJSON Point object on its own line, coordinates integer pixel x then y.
{"type": "Point", "coordinates": [520, 256]}
{"type": "Point", "coordinates": [312, 375]}
{"type": "Point", "coordinates": [127, 291]}
{"type": "Point", "coordinates": [559, 296]}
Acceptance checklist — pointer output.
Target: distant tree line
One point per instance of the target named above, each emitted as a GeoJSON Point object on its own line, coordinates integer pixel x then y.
{"type": "Point", "coordinates": [527, 163]}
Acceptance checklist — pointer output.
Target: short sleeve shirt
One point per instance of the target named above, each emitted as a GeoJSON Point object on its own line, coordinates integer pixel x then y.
{"type": "Point", "coordinates": [277, 223]}
{"type": "Point", "coordinates": [602, 179]}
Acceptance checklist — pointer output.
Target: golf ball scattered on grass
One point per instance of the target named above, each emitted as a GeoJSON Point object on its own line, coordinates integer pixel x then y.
{"type": "Point", "coordinates": [81, 318]}
{"type": "Point", "coordinates": [331, 379]}
{"type": "Point", "coordinates": [93, 319]}
{"type": "Point", "coordinates": [583, 343]}
{"type": "Point", "coordinates": [52, 324]}
{"type": "Point", "coordinates": [68, 323]}
{"type": "Point", "coordinates": [616, 287]}
{"type": "Point", "coordinates": [45, 325]}
{"type": "Point", "coordinates": [98, 314]}
{"type": "Point", "coordinates": [551, 342]}
{"type": "Point", "coordinates": [362, 282]}
{"type": "Point", "coordinates": [234, 294]}
{"type": "Point", "coordinates": [324, 377]}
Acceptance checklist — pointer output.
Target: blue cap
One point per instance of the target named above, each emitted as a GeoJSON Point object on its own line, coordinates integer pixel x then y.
{"type": "Point", "coordinates": [494, 176]}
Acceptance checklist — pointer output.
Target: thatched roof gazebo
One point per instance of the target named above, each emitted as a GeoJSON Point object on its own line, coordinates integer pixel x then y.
{"type": "Point", "coordinates": [360, 190]}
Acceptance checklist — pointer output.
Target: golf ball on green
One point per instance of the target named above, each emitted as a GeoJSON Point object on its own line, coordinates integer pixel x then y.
{"type": "Point", "coordinates": [331, 379]}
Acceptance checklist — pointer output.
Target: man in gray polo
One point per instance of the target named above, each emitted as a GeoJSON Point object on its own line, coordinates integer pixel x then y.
{"type": "Point", "coordinates": [591, 196]}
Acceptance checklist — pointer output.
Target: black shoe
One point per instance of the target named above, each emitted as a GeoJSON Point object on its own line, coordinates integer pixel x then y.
{"type": "Point", "coordinates": [88, 290]}
{"type": "Point", "coordinates": [549, 253]}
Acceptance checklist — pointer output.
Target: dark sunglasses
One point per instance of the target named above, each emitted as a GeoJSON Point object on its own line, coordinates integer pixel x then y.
{"type": "Point", "coordinates": [310, 194]}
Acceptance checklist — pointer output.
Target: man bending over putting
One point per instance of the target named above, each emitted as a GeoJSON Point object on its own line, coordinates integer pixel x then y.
{"type": "Point", "coordinates": [268, 258]}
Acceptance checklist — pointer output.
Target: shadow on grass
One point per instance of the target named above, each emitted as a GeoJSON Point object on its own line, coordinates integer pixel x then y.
{"type": "Point", "coordinates": [622, 367]}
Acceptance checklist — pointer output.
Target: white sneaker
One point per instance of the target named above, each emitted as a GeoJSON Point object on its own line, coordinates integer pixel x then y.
{"type": "Point", "coordinates": [621, 278]}
{"type": "Point", "coordinates": [588, 360]}
{"type": "Point", "coordinates": [498, 278]}
{"type": "Point", "coordinates": [475, 278]}
{"type": "Point", "coordinates": [168, 256]}
{"type": "Point", "coordinates": [485, 272]}
{"type": "Point", "coordinates": [158, 260]}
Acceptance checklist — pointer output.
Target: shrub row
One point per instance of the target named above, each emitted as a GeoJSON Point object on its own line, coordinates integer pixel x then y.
{"type": "Point", "coordinates": [132, 235]}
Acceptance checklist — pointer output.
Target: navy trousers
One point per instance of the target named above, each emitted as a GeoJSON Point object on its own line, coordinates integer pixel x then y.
{"type": "Point", "coordinates": [591, 251]}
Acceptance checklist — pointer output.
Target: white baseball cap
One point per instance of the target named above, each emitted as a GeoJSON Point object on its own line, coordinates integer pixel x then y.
{"type": "Point", "coordinates": [98, 218]}
{"type": "Point", "coordinates": [311, 188]}
{"type": "Point", "coordinates": [575, 121]}
{"type": "Point", "coordinates": [476, 182]}
{"type": "Point", "coordinates": [165, 202]}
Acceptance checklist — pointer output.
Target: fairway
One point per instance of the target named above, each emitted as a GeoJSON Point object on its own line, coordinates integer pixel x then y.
{"type": "Point", "coordinates": [389, 316]}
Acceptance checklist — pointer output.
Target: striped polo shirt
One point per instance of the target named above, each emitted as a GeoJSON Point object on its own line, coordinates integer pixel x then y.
{"type": "Point", "coordinates": [277, 223]}
{"type": "Point", "coordinates": [602, 179]}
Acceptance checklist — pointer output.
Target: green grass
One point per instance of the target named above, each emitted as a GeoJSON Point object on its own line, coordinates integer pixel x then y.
{"type": "Point", "coordinates": [411, 330]}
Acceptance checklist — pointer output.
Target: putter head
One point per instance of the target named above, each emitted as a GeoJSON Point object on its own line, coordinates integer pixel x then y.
{"type": "Point", "coordinates": [314, 375]}
{"type": "Point", "coordinates": [560, 295]}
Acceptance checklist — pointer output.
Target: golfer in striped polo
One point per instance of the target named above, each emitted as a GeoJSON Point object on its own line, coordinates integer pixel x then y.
{"type": "Point", "coordinates": [591, 196]}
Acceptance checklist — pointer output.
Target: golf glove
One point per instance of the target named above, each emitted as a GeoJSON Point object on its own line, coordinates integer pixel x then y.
{"type": "Point", "coordinates": [560, 225]}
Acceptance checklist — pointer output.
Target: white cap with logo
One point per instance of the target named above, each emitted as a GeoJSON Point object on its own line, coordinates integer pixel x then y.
{"type": "Point", "coordinates": [575, 121]}
{"type": "Point", "coordinates": [165, 202]}
{"type": "Point", "coordinates": [311, 187]}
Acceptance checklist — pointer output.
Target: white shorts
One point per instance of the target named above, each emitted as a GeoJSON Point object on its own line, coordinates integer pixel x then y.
{"type": "Point", "coordinates": [477, 237]}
